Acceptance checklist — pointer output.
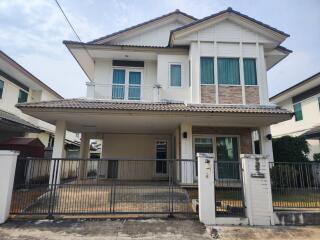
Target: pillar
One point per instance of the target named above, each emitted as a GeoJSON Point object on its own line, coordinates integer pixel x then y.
{"type": "Point", "coordinates": [58, 151]}
{"type": "Point", "coordinates": [187, 168]}
{"type": "Point", "coordinates": [266, 142]}
{"type": "Point", "coordinates": [207, 214]}
{"type": "Point", "coordinates": [257, 189]}
{"type": "Point", "coordinates": [8, 161]}
{"type": "Point", "coordinates": [84, 154]}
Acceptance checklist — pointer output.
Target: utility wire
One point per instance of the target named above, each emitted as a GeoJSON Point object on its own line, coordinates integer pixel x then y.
{"type": "Point", "coordinates": [74, 31]}
{"type": "Point", "coordinates": [65, 16]}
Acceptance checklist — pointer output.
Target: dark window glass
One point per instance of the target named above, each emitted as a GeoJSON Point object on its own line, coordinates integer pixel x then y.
{"type": "Point", "coordinates": [298, 112]}
{"type": "Point", "coordinates": [207, 72]}
{"type": "Point", "coordinates": [1, 88]}
{"type": "Point", "coordinates": [250, 72]}
{"type": "Point", "coordinates": [23, 96]}
{"type": "Point", "coordinates": [228, 71]}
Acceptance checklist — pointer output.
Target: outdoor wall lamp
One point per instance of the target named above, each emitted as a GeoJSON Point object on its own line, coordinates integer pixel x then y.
{"type": "Point", "coordinates": [269, 136]}
{"type": "Point", "coordinates": [185, 135]}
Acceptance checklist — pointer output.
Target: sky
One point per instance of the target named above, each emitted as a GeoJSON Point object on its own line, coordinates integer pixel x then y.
{"type": "Point", "coordinates": [32, 31]}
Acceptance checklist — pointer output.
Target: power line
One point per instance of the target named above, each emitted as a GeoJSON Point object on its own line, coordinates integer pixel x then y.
{"type": "Point", "coordinates": [65, 16]}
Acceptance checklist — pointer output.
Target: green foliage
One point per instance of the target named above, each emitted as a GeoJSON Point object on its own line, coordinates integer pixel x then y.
{"type": "Point", "coordinates": [316, 157]}
{"type": "Point", "coordinates": [290, 149]}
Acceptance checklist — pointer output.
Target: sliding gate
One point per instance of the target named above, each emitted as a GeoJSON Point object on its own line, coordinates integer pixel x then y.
{"type": "Point", "coordinates": [101, 186]}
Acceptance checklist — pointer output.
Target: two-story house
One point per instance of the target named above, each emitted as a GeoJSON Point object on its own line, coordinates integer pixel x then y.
{"type": "Point", "coordinates": [171, 87]}
{"type": "Point", "coordinates": [17, 85]}
{"type": "Point", "coordinates": [304, 100]}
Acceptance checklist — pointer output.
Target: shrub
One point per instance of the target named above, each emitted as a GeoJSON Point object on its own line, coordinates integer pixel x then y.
{"type": "Point", "coordinates": [316, 157]}
{"type": "Point", "coordinates": [290, 149]}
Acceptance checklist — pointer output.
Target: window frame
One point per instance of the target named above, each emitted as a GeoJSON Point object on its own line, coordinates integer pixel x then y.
{"type": "Point", "coordinates": [2, 88]}
{"type": "Point", "coordinates": [126, 82]}
{"type": "Point", "coordinates": [213, 75]}
{"type": "Point", "coordinates": [155, 158]}
{"type": "Point", "coordinates": [23, 91]}
{"type": "Point", "coordinates": [181, 71]}
{"type": "Point", "coordinates": [294, 110]}
{"type": "Point", "coordinates": [256, 72]}
{"type": "Point", "coordinates": [239, 72]}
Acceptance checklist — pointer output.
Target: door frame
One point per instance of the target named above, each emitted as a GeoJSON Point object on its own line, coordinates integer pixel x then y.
{"type": "Point", "coordinates": [155, 158]}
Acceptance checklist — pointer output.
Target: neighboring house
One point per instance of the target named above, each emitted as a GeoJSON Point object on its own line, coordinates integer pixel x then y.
{"type": "Point", "coordinates": [171, 87]}
{"type": "Point", "coordinates": [304, 100]}
{"type": "Point", "coordinates": [17, 85]}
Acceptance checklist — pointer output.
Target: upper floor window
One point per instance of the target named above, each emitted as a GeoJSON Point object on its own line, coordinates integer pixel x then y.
{"type": "Point", "coordinates": [297, 111]}
{"type": "Point", "coordinates": [250, 72]}
{"type": "Point", "coordinates": [228, 71]}
{"type": "Point", "coordinates": [175, 75]}
{"type": "Point", "coordinates": [126, 86]}
{"type": "Point", "coordinates": [207, 72]}
{"type": "Point", "coordinates": [23, 96]}
{"type": "Point", "coordinates": [1, 88]}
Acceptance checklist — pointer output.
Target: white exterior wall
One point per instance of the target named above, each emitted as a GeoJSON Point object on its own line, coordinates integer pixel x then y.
{"type": "Point", "coordinates": [311, 118]}
{"type": "Point", "coordinates": [163, 77]}
{"type": "Point", "coordinates": [10, 99]}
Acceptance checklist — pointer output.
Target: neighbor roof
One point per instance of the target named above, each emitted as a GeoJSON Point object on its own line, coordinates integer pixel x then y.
{"type": "Point", "coordinates": [177, 11]}
{"type": "Point", "coordinates": [86, 104]}
{"type": "Point", "coordinates": [28, 74]}
{"type": "Point", "coordinates": [309, 79]}
{"type": "Point", "coordinates": [9, 118]}
{"type": "Point", "coordinates": [228, 10]}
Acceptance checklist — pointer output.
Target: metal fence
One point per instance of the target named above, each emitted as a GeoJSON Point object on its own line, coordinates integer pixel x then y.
{"type": "Point", "coordinates": [102, 186]}
{"type": "Point", "coordinates": [229, 196]}
{"type": "Point", "coordinates": [295, 185]}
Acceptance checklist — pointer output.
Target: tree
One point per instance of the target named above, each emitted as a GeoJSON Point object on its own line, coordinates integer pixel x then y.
{"type": "Point", "coordinates": [290, 149]}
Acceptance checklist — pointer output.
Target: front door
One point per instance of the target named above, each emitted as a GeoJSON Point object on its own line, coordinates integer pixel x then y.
{"type": "Point", "coordinates": [228, 157]}
{"type": "Point", "coordinates": [161, 157]}
{"type": "Point", "coordinates": [112, 169]}
{"type": "Point", "coordinates": [201, 145]}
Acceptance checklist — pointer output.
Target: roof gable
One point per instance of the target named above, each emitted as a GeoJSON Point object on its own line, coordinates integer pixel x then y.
{"type": "Point", "coordinates": [234, 16]}
{"type": "Point", "coordinates": [181, 17]}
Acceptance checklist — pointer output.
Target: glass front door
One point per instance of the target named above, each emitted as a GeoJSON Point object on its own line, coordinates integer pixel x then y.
{"type": "Point", "coordinates": [161, 157]}
{"type": "Point", "coordinates": [228, 157]}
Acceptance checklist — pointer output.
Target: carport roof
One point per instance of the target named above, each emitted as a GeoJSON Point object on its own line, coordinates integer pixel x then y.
{"type": "Point", "coordinates": [87, 104]}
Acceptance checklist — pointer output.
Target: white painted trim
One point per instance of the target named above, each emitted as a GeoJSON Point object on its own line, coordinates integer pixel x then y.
{"type": "Point", "coordinates": [215, 66]}
{"type": "Point", "coordinates": [241, 72]}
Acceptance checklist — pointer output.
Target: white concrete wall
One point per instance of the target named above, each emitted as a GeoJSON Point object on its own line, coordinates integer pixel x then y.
{"type": "Point", "coordinates": [311, 118]}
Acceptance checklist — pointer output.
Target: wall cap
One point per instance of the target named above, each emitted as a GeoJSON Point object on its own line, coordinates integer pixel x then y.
{"type": "Point", "coordinates": [9, 153]}
{"type": "Point", "coordinates": [254, 156]}
{"type": "Point", "coordinates": [205, 155]}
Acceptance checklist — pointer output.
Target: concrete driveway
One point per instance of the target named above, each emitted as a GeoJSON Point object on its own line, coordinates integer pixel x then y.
{"type": "Point", "coordinates": [144, 230]}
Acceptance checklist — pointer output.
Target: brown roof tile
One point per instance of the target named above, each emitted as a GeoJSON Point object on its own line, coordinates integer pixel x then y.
{"type": "Point", "coordinates": [86, 104]}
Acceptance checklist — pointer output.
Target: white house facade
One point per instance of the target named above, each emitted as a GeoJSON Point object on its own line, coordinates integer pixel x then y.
{"type": "Point", "coordinates": [304, 100]}
{"type": "Point", "coordinates": [17, 85]}
{"type": "Point", "coordinates": [172, 87]}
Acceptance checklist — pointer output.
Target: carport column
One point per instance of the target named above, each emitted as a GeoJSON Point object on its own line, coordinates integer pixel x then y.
{"type": "Point", "coordinates": [257, 189]}
{"type": "Point", "coordinates": [266, 142]}
{"type": "Point", "coordinates": [186, 153]}
{"type": "Point", "coordinates": [84, 154]}
{"type": "Point", "coordinates": [207, 212]}
{"type": "Point", "coordinates": [58, 151]}
{"type": "Point", "coordinates": [8, 161]}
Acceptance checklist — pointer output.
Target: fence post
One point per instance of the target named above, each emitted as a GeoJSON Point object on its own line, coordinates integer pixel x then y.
{"type": "Point", "coordinates": [207, 212]}
{"type": "Point", "coordinates": [8, 161]}
{"type": "Point", "coordinates": [257, 189]}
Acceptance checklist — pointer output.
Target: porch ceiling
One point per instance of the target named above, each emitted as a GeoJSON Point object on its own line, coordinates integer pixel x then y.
{"type": "Point", "coordinates": [112, 117]}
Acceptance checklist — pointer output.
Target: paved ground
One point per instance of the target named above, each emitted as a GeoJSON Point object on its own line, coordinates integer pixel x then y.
{"type": "Point", "coordinates": [144, 230]}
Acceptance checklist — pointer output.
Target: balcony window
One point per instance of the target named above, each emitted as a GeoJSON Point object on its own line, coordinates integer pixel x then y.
{"type": "Point", "coordinates": [207, 75]}
{"type": "Point", "coordinates": [1, 88]}
{"type": "Point", "coordinates": [228, 71]}
{"type": "Point", "coordinates": [118, 84]}
{"type": "Point", "coordinates": [297, 112]}
{"type": "Point", "coordinates": [175, 75]}
{"type": "Point", "coordinates": [23, 96]}
{"type": "Point", "coordinates": [250, 72]}
{"type": "Point", "coordinates": [134, 86]}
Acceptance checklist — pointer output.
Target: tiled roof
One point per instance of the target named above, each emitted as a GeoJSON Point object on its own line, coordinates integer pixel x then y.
{"type": "Point", "coordinates": [87, 104]}
{"type": "Point", "coordinates": [9, 117]}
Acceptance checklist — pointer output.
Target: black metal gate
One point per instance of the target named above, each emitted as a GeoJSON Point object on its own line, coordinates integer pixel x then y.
{"type": "Point", "coordinates": [229, 197]}
{"type": "Point", "coordinates": [102, 186]}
